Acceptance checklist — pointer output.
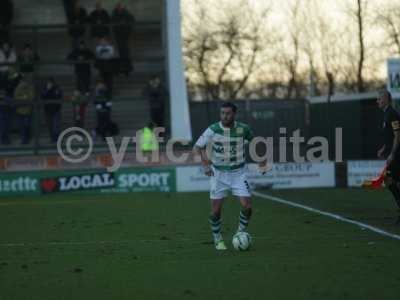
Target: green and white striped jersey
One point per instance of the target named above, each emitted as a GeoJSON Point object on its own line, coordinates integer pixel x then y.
{"type": "Point", "coordinates": [226, 145]}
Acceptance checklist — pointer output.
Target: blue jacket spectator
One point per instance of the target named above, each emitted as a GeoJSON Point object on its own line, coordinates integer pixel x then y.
{"type": "Point", "coordinates": [105, 127]}
{"type": "Point", "coordinates": [82, 57]}
{"type": "Point", "coordinates": [123, 22]}
{"type": "Point", "coordinates": [99, 19]}
{"type": "Point", "coordinates": [6, 104]}
{"type": "Point", "coordinates": [51, 92]}
{"type": "Point", "coordinates": [78, 21]}
{"type": "Point", "coordinates": [27, 60]}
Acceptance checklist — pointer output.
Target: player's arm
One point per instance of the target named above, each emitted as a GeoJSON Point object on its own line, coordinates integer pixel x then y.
{"type": "Point", "coordinates": [263, 165]}
{"type": "Point", "coordinates": [204, 160]}
{"type": "Point", "coordinates": [200, 149]}
{"type": "Point", "coordinates": [395, 124]}
{"type": "Point", "coordinates": [381, 151]}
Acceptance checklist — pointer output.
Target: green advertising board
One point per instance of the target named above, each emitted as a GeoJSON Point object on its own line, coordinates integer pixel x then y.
{"type": "Point", "coordinates": [145, 180]}
{"type": "Point", "coordinates": [86, 181]}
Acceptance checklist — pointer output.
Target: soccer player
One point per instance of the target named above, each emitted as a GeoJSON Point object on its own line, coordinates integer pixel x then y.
{"type": "Point", "coordinates": [226, 141]}
{"type": "Point", "coordinates": [390, 150]}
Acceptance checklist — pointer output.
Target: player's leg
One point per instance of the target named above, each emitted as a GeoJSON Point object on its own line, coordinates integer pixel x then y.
{"type": "Point", "coordinates": [217, 194]}
{"type": "Point", "coordinates": [392, 181]}
{"type": "Point", "coordinates": [394, 188]}
{"type": "Point", "coordinates": [245, 213]}
{"type": "Point", "coordinates": [241, 189]}
{"type": "Point", "coordinates": [215, 218]}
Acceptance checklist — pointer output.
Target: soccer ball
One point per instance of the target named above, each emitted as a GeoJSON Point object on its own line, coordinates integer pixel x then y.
{"type": "Point", "coordinates": [241, 241]}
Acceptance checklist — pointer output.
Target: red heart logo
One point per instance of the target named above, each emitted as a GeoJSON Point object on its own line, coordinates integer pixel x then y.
{"type": "Point", "coordinates": [49, 185]}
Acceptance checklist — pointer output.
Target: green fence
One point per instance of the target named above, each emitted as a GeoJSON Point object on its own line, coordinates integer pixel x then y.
{"type": "Point", "coordinates": [88, 181]}
{"type": "Point", "coordinates": [360, 121]}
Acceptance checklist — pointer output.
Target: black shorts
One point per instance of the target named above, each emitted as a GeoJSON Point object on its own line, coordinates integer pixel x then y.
{"type": "Point", "coordinates": [393, 170]}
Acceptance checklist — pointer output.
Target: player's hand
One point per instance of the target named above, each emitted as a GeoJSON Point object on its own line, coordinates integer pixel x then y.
{"type": "Point", "coordinates": [263, 167]}
{"type": "Point", "coordinates": [207, 168]}
{"type": "Point", "coordinates": [380, 153]}
{"type": "Point", "coordinates": [208, 171]}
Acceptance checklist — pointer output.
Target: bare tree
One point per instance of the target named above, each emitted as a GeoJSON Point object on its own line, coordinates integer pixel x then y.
{"type": "Point", "coordinates": [339, 57]}
{"type": "Point", "coordinates": [289, 54]}
{"type": "Point", "coordinates": [223, 53]}
{"type": "Point", "coordinates": [388, 19]}
{"type": "Point", "coordinates": [239, 51]}
{"type": "Point", "coordinates": [307, 21]}
{"type": "Point", "coordinates": [357, 10]}
{"type": "Point", "coordinates": [329, 52]}
{"type": "Point", "coordinates": [361, 59]}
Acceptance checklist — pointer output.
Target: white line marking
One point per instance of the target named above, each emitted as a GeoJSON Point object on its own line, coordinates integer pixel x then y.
{"type": "Point", "coordinates": [265, 196]}
{"type": "Point", "coordinates": [328, 214]}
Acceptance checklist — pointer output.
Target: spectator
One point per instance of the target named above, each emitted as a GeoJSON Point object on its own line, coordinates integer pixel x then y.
{"type": "Point", "coordinates": [99, 20]}
{"type": "Point", "coordinates": [68, 8]}
{"type": "Point", "coordinates": [123, 22]}
{"type": "Point", "coordinates": [79, 104]}
{"type": "Point", "coordinates": [6, 104]}
{"type": "Point", "coordinates": [27, 60]}
{"type": "Point", "coordinates": [13, 79]}
{"type": "Point", "coordinates": [52, 92]}
{"type": "Point", "coordinates": [78, 20]}
{"type": "Point", "coordinates": [7, 58]}
{"type": "Point", "coordinates": [5, 111]}
{"type": "Point", "coordinates": [6, 17]}
{"type": "Point", "coordinates": [155, 92]}
{"type": "Point", "coordinates": [23, 97]}
{"type": "Point", "coordinates": [82, 57]}
{"type": "Point", "coordinates": [148, 141]}
{"type": "Point", "coordinates": [105, 127]}
{"type": "Point", "coordinates": [105, 63]}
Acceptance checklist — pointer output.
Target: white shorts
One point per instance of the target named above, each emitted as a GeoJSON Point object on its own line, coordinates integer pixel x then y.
{"type": "Point", "coordinates": [223, 181]}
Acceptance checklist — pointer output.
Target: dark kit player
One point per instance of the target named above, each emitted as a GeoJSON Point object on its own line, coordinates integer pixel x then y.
{"type": "Point", "coordinates": [390, 149]}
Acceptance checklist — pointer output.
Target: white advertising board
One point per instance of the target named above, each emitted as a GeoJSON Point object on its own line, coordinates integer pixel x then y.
{"type": "Point", "coordinates": [281, 176]}
{"type": "Point", "coordinates": [360, 170]}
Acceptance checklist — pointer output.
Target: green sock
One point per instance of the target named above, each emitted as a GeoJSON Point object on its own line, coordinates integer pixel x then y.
{"type": "Point", "coordinates": [244, 218]}
{"type": "Point", "coordinates": [216, 225]}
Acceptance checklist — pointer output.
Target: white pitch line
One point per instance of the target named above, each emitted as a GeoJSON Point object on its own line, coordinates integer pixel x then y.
{"type": "Point", "coordinates": [328, 214]}
{"type": "Point", "coordinates": [265, 196]}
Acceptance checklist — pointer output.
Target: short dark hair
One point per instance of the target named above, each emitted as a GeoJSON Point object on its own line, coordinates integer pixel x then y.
{"type": "Point", "coordinates": [51, 79]}
{"type": "Point", "coordinates": [385, 93]}
{"type": "Point", "coordinates": [229, 105]}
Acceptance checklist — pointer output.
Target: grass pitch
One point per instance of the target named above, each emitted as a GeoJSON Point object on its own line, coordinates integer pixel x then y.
{"type": "Point", "coordinates": [158, 246]}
